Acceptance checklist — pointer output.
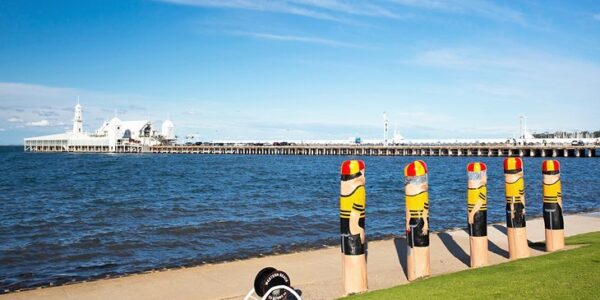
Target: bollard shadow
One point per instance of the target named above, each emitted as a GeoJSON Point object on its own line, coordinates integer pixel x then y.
{"type": "Point", "coordinates": [539, 246]}
{"type": "Point", "coordinates": [492, 247]}
{"type": "Point", "coordinates": [500, 228]}
{"type": "Point", "coordinates": [455, 249]}
{"type": "Point", "coordinates": [400, 244]}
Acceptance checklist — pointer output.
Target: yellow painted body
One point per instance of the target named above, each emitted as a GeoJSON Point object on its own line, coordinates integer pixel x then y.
{"type": "Point", "coordinates": [353, 202]}
{"type": "Point", "coordinates": [552, 192]}
{"type": "Point", "coordinates": [416, 204]}
{"type": "Point", "coordinates": [514, 191]}
{"type": "Point", "coordinates": [476, 195]}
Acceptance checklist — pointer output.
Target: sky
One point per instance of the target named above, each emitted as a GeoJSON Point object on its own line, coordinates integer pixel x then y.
{"type": "Point", "coordinates": [301, 69]}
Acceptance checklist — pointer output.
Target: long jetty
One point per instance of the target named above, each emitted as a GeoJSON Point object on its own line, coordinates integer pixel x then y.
{"type": "Point", "coordinates": [499, 150]}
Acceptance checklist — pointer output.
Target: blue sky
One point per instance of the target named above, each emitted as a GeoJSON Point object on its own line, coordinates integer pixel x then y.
{"type": "Point", "coordinates": [301, 69]}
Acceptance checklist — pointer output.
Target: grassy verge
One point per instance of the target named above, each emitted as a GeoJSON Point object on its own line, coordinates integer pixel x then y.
{"type": "Point", "coordinates": [565, 274]}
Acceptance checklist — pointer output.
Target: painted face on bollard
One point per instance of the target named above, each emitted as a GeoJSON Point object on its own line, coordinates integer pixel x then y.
{"type": "Point", "coordinates": [360, 180]}
{"type": "Point", "coordinates": [415, 178]}
{"type": "Point", "coordinates": [415, 185]}
{"type": "Point", "coordinates": [476, 179]}
{"type": "Point", "coordinates": [551, 179]}
{"type": "Point", "coordinates": [513, 169]}
{"type": "Point", "coordinates": [512, 178]}
{"type": "Point", "coordinates": [550, 171]}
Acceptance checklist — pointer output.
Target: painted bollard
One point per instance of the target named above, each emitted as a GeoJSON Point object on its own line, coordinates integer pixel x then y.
{"type": "Point", "coordinates": [352, 226]}
{"type": "Point", "coordinates": [477, 213]}
{"type": "Point", "coordinates": [515, 208]}
{"type": "Point", "coordinates": [417, 219]}
{"type": "Point", "coordinates": [553, 217]}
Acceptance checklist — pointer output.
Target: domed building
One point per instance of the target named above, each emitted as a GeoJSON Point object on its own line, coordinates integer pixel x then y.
{"type": "Point", "coordinates": [113, 136]}
{"type": "Point", "coordinates": [168, 130]}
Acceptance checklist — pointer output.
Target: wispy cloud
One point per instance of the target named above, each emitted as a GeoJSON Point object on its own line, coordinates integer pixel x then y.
{"type": "Point", "coordinates": [524, 62]}
{"type": "Point", "coordinates": [258, 5]}
{"type": "Point", "coordinates": [500, 91]}
{"type": "Point", "coordinates": [24, 89]}
{"type": "Point", "coordinates": [481, 8]}
{"type": "Point", "coordinates": [366, 8]}
{"type": "Point", "coordinates": [298, 39]}
{"type": "Point", "coordinates": [341, 10]}
{"type": "Point", "coordinates": [41, 123]}
{"type": "Point", "coordinates": [15, 120]}
{"type": "Point", "coordinates": [43, 108]}
{"type": "Point", "coordinates": [597, 17]}
{"type": "Point", "coordinates": [537, 81]}
{"type": "Point", "coordinates": [461, 58]}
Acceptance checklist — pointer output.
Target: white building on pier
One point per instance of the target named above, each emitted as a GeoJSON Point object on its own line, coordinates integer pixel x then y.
{"type": "Point", "coordinates": [113, 136]}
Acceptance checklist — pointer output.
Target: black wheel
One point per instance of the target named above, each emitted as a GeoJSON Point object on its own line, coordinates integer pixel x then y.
{"type": "Point", "coordinates": [260, 277]}
{"type": "Point", "coordinates": [273, 279]}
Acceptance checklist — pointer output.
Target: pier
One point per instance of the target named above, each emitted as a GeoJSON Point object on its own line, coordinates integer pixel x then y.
{"type": "Point", "coordinates": [497, 150]}
{"type": "Point", "coordinates": [501, 150]}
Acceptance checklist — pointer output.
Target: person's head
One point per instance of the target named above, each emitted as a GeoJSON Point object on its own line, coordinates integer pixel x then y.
{"type": "Point", "coordinates": [415, 177]}
{"type": "Point", "coordinates": [513, 169]}
{"type": "Point", "coordinates": [477, 174]}
{"type": "Point", "coordinates": [353, 170]}
{"type": "Point", "coordinates": [550, 171]}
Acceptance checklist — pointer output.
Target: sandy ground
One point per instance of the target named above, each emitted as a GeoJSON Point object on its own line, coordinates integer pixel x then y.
{"type": "Point", "coordinates": [317, 273]}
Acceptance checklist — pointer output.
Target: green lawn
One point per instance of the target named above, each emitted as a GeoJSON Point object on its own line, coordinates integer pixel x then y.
{"type": "Point", "coordinates": [562, 275]}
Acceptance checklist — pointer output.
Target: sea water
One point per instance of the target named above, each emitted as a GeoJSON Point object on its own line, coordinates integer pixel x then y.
{"type": "Point", "coordinates": [72, 216]}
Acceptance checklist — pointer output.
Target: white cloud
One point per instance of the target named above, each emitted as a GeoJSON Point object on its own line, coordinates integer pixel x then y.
{"type": "Point", "coordinates": [471, 59]}
{"type": "Point", "coordinates": [482, 8]}
{"type": "Point", "coordinates": [267, 6]}
{"type": "Point", "coordinates": [529, 63]}
{"type": "Point", "coordinates": [348, 7]}
{"type": "Point", "coordinates": [2, 129]}
{"type": "Point", "coordinates": [538, 83]}
{"type": "Point", "coordinates": [41, 123]}
{"type": "Point", "coordinates": [299, 39]}
{"type": "Point", "coordinates": [336, 10]}
{"type": "Point", "coordinates": [500, 91]}
{"type": "Point", "coordinates": [24, 89]}
{"type": "Point", "coordinates": [15, 120]}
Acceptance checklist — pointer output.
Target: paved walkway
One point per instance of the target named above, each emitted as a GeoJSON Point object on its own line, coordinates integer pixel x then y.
{"type": "Point", "coordinates": [317, 273]}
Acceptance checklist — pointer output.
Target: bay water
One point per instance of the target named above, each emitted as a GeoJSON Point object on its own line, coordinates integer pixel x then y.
{"type": "Point", "coordinates": [71, 216]}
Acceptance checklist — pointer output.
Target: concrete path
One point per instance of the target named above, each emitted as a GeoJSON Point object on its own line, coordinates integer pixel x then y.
{"type": "Point", "coordinates": [317, 273]}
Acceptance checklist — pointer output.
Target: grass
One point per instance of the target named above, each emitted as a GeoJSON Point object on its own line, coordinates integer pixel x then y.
{"type": "Point", "coordinates": [561, 275]}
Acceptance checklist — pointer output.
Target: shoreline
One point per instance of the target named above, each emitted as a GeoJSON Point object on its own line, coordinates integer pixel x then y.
{"type": "Point", "coordinates": [217, 261]}
{"type": "Point", "coordinates": [243, 280]}
{"type": "Point", "coordinates": [293, 250]}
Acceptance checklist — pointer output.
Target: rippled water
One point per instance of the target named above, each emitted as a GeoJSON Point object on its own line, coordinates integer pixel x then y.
{"type": "Point", "coordinates": [72, 216]}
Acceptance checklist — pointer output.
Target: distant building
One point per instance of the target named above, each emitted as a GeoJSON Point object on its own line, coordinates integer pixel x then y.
{"type": "Point", "coordinates": [113, 136]}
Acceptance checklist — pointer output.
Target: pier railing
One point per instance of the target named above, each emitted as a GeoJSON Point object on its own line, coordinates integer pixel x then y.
{"type": "Point", "coordinates": [502, 150]}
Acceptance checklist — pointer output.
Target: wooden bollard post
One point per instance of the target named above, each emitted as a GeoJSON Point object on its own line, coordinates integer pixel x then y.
{"type": "Point", "coordinates": [477, 213]}
{"type": "Point", "coordinates": [417, 219]}
{"type": "Point", "coordinates": [515, 208]}
{"type": "Point", "coordinates": [352, 226]}
{"type": "Point", "coordinates": [553, 217]}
